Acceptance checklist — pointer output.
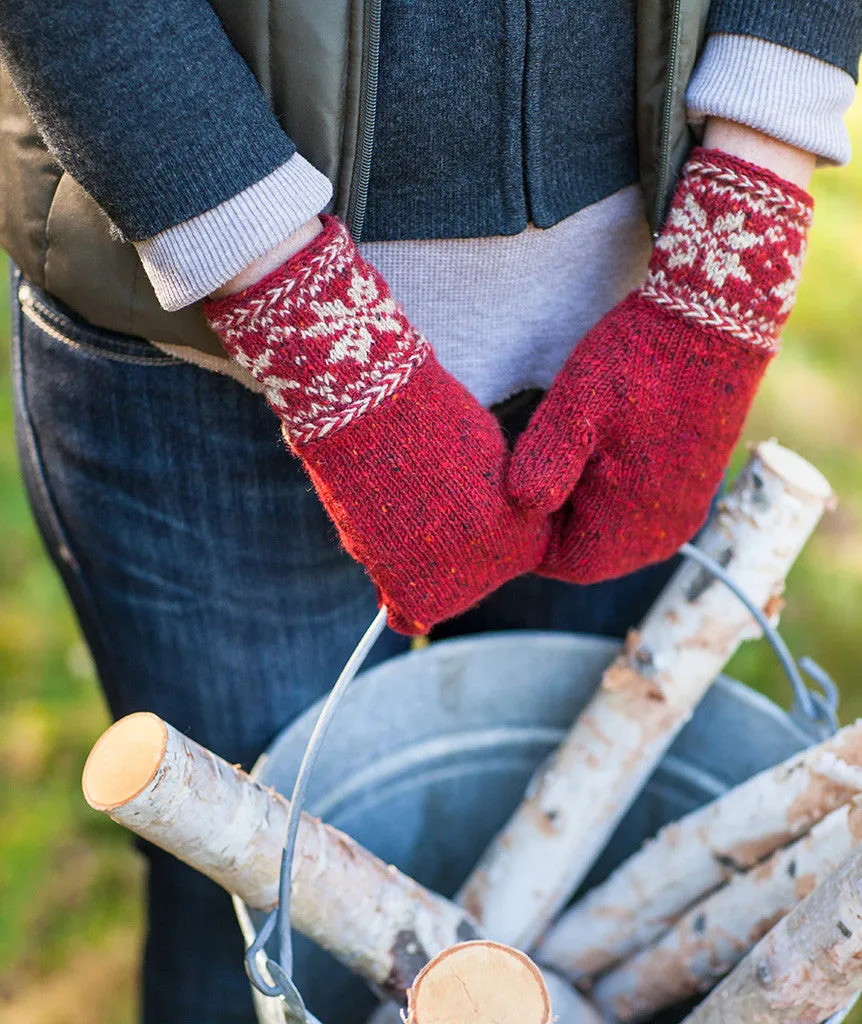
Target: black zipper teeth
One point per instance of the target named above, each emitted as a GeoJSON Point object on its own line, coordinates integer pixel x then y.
{"type": "Point", "coordinates": [368, 116]}
{"type": "Point", "coordinates": [664, 145]}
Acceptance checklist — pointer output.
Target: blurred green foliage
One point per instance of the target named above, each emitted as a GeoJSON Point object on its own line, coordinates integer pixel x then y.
{"type": "Point", "coordinates": [70, 920]}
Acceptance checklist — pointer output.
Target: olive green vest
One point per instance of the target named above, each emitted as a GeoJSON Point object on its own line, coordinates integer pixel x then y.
{"type": "Point", "coordinates": [324, 97]}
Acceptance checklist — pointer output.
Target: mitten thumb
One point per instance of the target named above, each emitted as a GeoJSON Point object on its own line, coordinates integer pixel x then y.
{"type": "Point", "coordinates": [549, 457]}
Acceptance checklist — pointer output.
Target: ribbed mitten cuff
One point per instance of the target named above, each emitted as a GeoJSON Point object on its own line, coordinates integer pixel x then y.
{"type": "Point", "coordinates": [322, 335]}
{"type": "Point", "coordinates": [730, 255]}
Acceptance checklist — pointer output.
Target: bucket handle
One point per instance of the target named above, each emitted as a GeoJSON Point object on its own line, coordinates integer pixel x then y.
{"type": "Point", "coordinates": [281, 972]}
{"type": "Point", "coordinates": [816, 711]}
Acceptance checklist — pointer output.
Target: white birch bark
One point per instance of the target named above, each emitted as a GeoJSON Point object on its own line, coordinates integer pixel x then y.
{"type": "Point", "coordinates": [712, 937]}
{"type": "Point", "coordinates": [569, 1006]}
{"type": "Point", "coordinates": [807, 968]}
{"type": "Point", "coordinates": [384, 926]}
{"type": "Point", "coordinates": [577, 798]}
{"type": "Point", "coordinates": [695, 855]}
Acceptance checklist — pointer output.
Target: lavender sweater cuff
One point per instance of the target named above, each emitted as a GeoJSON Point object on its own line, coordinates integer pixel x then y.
{"type": "Point", "coordinates": [783, 93]}
{"type": "Point", "coordinates": [186, 262]}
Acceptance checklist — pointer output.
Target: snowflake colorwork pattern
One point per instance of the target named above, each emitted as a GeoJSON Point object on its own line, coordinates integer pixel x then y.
{"type": "Point", "coordinates": [326, 340]}
{"type": "Point", "coordinates": [731, 253]}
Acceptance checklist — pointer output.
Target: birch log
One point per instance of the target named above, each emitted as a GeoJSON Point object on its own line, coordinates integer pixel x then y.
{"type": "Point", "coordinates": [479, 982]}
{"type": "Point", "coordinates": [714, 935]}
{"type": "Point", "coordinates": [577, 798]}
{"type": "Point", "coordinates": [695, 855]}
{"type": "Point", "coordinates": [807, 968]}
{"type": "Point", "coordinates": [384, 926]}
{"type": "Point", "coordinates": [567, 1005]}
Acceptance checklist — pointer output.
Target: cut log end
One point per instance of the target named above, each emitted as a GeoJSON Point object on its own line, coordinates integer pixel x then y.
{"type": "Point", "coordinates": [794, 470]}
{"type": "Point", "coordinates": [479, 982]}
{"type": "Point", "coordinates": [124, 759]}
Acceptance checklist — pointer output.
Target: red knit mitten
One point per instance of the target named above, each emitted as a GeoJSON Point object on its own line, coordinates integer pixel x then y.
{"type": "Point", "coordinates": [409, 466]}
{"type": "Point", "coordinates": [634, 435]}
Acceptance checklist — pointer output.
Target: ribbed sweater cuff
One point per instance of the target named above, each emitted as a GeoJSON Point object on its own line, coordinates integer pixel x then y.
{"type": "Point", "coordinates": [186, 262]}
{"type": "Point", "coordinates": [783, 93]}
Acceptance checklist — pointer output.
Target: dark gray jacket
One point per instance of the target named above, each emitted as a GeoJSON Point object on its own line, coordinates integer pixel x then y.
{"type": "Point", "coordinates": [432, 119]}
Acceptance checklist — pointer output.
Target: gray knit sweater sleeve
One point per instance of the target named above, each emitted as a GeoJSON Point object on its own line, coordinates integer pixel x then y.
{"type": "Point", "coordinates": [150, 107]}
{"type": "Point", "coordinates": [830, 30]}
{"type": "Point", "coordinates": [781, 92]}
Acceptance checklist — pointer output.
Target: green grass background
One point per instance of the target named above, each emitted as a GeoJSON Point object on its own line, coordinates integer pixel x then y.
{"type": "Point", "coordinates": [70, 920]}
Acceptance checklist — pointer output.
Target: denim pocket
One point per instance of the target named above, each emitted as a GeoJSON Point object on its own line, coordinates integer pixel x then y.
{"type": "Point", "coordinates": [57, 321]}
{"type": "Point", "coordinates": [41, 494]}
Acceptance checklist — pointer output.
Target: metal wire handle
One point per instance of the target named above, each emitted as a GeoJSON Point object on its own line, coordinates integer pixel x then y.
{"type": "Point", "coordinates": [282, 971]}
{"type": "Point", "coordinates": [816, 712]}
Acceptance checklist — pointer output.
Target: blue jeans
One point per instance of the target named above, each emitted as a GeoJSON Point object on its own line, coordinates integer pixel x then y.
{"type": "Point", "coordinates": [209, 585]}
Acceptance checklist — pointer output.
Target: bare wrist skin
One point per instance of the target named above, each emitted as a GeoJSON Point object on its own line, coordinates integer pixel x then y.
{"type": "Point", "coordinates": [265, 264]}
{"type": "Point", "coordinates": [788, 162]}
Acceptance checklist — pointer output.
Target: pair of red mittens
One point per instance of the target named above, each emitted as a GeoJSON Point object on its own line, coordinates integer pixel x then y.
{"type": "Point", "coordinates": [619, 463]}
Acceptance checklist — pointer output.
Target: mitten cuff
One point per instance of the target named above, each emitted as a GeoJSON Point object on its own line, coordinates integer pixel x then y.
{"type": "Point", "coordinates": [731, 253]}
{"type": "Point", "coordinates": [322, 335]}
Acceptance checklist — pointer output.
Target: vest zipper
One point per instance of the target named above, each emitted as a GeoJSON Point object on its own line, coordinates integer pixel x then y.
{"type": "Point", "coordinates": [667, 116]}
{"type": "Point", "coordinates": [358, 198]}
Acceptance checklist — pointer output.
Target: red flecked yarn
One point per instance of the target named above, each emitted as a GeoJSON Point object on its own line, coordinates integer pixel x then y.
{"type": "Point", "coordinates": [630, 443]}
{"type": "Point", "coordinates": [409, 466]}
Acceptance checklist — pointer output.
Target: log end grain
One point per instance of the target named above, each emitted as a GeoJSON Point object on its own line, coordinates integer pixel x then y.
{"type": "Point", "coordinates": [124, 760]}
{"type": "Point", "coordinates": [479, 982]}
{"type": "Point", "coordinates": [795, 471]}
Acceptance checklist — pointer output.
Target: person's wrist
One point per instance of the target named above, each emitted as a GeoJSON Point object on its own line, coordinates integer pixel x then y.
{"type": "Point", "coordinates": [788, 162]}
{"type": "Point", "coordinates": [263, 265]}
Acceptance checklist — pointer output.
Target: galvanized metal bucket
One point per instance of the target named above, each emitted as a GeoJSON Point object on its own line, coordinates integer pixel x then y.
{"type": "Point", "coordinates": [433, 750]}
